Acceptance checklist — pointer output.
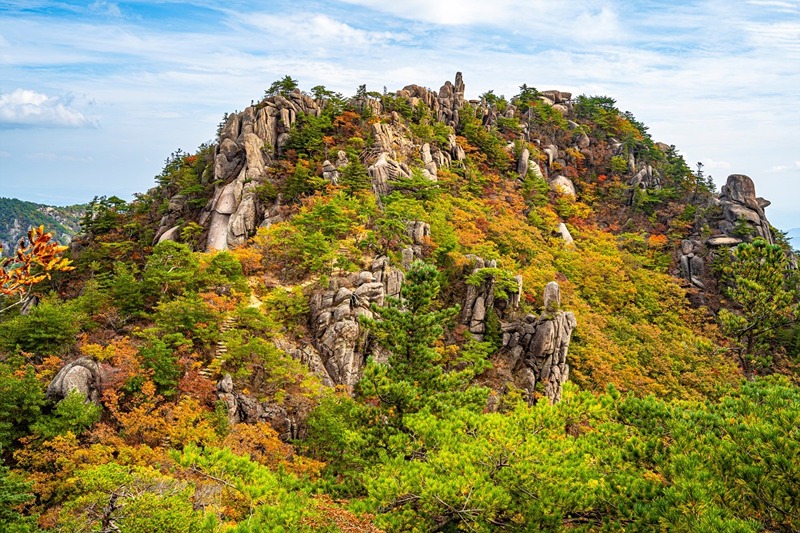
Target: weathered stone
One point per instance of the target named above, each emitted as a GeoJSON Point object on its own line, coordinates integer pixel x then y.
{"type": "Point", "coordinates": [337, 336]}
{"type": "Point", "coordinates": [242, 224]}
{"type": "Point", "coordinates": [562, 185]}
{"type": "Point", "coordinates": [225, 384]}
{"type": "Point", "coordinates": [522, 163]}
{"type": "Point", "coordinates": [229, 160]}
{"type": "Point", "coordinates": [83, 375]}
{"type": "Point", "coordinates": [723, 241]}
{"type": "Point", "coordinates": [552, 153]}
{"type": "Point", "coordinates": [218, 232]}
{"type": "Point", "coordinates": [408, 257]}
{"type": "Point", "coordinates": [552, 297]}
{"type": "Point", "coordinates": [384, 170]}
{"type": "Point", "coordinates": [329, 172]}
{"type": "Point", "coordinates": [538, 346]}
{"type": "Point", "coordinates": [562, 229]}
{"type": "Point", "coordinates": [171, 234]}
{"type": "Point", "coordinates": [418, 231]}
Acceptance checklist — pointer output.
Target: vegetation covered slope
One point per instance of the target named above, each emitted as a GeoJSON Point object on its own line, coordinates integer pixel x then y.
{"type": "Point", "coordinates": [657, 431]}
{"type": "Point", "coordinates": [17, 217]}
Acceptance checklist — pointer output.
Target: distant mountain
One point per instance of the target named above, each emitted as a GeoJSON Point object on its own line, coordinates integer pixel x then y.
{"type": "Point", "coordinates": [794, 237]}
{"type": "Point", "coordinates": [18, 216]}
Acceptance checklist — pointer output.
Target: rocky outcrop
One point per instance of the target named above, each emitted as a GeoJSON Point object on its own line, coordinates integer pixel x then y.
{"type": "Point", "coordinates": [168, 226]}
{"type": "Point", "coordinates": [742, 212]}
{"type": "Point", "coordinates": [481, 299]}
{"type": "Point", "coordinates": [244, 152]}
{"type": "Point", "coordinates": [736, 215]}
{"type": "Point", "coordinates": [337, 335]}
{"type": "Point", "coordinates": [243, 408]}
{"type": "Point", "coordinates": [646, 177]}
{"type": "Point", "coordinates": [83, 375]}
{"type": "Point", "coordinates": [538, 346]}
{"type": "Point", "coordinates": [451, 100]}
{"type": "Point", "coordinates": [556, 97]}
{"type": "Point", "coordinates": [383, 171]}
{"type": "Point", "coordinates": [419, 232]}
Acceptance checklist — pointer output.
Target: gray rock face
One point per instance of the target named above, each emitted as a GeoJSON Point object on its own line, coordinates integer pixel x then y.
{"type": "Point", "coordinates": [480, 300]}
{"type": "Point", "coordinates": [522, 163]}
{"type": "Point", "coordinates": [175, 212]}
{"type": "Point", "coordinates": [735, 216]}
{"type": "Point", "coordinates": [538, 346]}
{"type": "Point", "coordinates": [384, 170]}
{"type": "Point", "coordinates": [83, 375]}
{"type": "Point", "coordinates": [645, 177]}
{"type": "Point", "coordinates": [246, 409]}
{"type": "Point", "coordinates": [339, 339]}
{"type": "Point", "coordinates": [692, 262]}
{"type": "Point", "coordinates": [171, 234]}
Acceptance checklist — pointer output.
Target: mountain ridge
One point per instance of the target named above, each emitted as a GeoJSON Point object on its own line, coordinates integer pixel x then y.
{"type": "Point", "coordinates": [411, 311]}
{"type": "Point", "coordinates": [18, 216]}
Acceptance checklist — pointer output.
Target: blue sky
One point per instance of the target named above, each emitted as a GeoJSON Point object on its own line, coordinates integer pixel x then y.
{"type": "Point", "coordinates": [95, 95]}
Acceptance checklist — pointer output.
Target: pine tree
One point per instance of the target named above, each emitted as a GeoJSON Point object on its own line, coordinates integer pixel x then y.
{"type": "Point", "coordinates": [766, 292]}
{"type": "Point", "coordinates": [408, 328]}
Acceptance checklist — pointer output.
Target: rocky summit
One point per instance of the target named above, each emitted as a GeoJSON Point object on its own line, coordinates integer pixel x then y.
{"type": "Point", "coordinates": [408, 311]}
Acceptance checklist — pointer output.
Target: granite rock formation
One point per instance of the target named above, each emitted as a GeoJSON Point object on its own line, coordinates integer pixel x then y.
{"type": "Point", "coordinates": [83, 375]}
{"type": "Point", "coordinates": [337, 335]}
{"type": "Point", "coordinates": [736, 215]}
{"type": "Point", "coordinates": [537, 346]}
{"type": "Point", "coordinates": [247, 409]}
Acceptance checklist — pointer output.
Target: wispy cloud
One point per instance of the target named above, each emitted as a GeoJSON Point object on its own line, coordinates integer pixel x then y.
{"type": "Point", "coordinates": [52, 156]}
{"type": "Point", "coordinates": [105, 8]}
{"type": "Point", "coordinates": [317, 30]}
{"type": "Point", "coordinates": [24, 107]}
{"type": "Point", "coordinates": [714, 77]}
{"type": "Point", "coordinates": [784, 168]}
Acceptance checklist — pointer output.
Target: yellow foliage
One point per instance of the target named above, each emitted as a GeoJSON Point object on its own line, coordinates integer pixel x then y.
{"type": "Point", "coordinates": [260, 441]}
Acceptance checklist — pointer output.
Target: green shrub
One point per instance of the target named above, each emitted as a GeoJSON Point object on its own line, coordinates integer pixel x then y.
{"type": "Point", "coordinates": [49, 329]}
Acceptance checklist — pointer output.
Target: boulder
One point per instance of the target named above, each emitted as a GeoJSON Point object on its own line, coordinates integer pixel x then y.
{"type": "Point", "coordinates": [562, 229]}
{"type": "Point", "coordinates": [562, 185]}
{"type": "Point", "coordinates": [83, 375]}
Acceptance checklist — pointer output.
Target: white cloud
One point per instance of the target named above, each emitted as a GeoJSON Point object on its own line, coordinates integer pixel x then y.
{"type": "Point", "coordinates": [24, 107]}
{"type": "Point", "coordinates": [784, 168]}
{"type": "Point", "coordinates": [560, 22]}
{"type": "Point", "coordinates": [778, 5]}
{"type": "Point", "coordinates": [317, 30]}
